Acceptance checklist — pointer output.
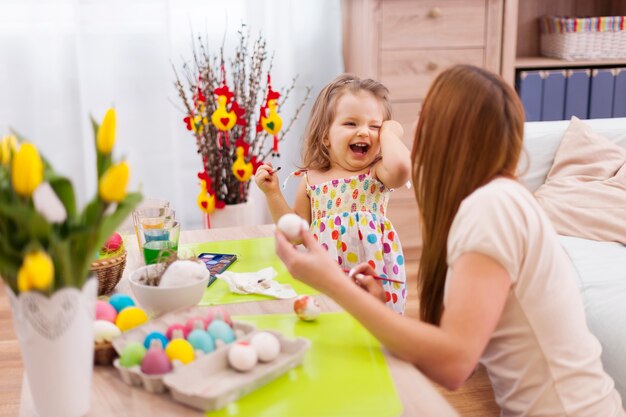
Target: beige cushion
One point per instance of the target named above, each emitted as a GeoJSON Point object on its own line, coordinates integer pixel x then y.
{"type": "Point", "coordinates": [585, 191]}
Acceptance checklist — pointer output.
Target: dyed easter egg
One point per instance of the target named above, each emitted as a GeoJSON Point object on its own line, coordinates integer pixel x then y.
{"type": "Point", "coordinates": [195, 323]}
{"type": "Point", "coordinates": [267, 346]}
{"type": "Point", "coordinates": [222, 331]}
{"type": "Point", "coordinates": [180, 350]}
{"type": "Point", "coordinates": [156, 362]}
{"type": "Point", "coordinates": [121, 301]}
{"type": "Point", "coordinates": [132, 354]}
{"type": "Point", "coordinates": [174, 328]}
{"type": "Point", "coordinates": [306, 308]}
{"type": "Point", "coordinates": [201, 340]}
{"type": "Point", "coordinates": [222, 314]}
{"type": "Point", "coordinates": [155, 336]}
{"type": "Point", "coordinates": [130, 317]}
{"type": "Point", "coordinates": [105, 331]}
{"type": "Point", "coordinates": [242, 356]}
{"type": "Point", "coordinates": [105, 311]}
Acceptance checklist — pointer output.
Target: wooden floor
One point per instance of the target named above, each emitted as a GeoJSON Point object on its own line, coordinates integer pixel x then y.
{"type": "Point", "coordinates": [474, 399]}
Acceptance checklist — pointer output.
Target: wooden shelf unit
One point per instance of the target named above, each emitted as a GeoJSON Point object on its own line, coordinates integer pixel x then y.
{"type": "Point", "coordinates": [520, 37]}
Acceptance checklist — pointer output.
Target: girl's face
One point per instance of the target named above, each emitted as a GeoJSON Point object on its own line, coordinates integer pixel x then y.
{"type": "Point", "coordinates": [353, 137]}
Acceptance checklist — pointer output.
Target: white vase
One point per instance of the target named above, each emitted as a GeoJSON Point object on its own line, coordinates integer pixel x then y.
{"type": "Point", "coordinates": [56, 340]}
{"type": "Point", "coordinates": [253, 212]}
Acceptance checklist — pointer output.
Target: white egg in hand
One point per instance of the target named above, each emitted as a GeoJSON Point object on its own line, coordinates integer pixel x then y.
{"type": "Point", "coordinates": [292, 226]}
{"type": "Point", "coordinates": [267, 346]}
{"type": "Point", "coordinates": [242, 356]}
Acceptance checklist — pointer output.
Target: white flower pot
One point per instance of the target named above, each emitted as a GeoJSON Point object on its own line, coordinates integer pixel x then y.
{"type": "Point", "coordinates": [253, 212]}
{"type": "Point", "coordinates": [56, 341]}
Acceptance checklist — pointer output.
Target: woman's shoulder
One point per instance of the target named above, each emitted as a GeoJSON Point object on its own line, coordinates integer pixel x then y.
{"type": "Point", "coordinates": [503, 191]}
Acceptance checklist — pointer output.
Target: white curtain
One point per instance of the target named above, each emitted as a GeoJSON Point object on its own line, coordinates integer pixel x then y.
{"type": "Point", "coordinates": [61, 61]}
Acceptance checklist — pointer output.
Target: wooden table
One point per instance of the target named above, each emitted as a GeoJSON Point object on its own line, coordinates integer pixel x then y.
{"type": "Point", "coordinates": [110, 396]}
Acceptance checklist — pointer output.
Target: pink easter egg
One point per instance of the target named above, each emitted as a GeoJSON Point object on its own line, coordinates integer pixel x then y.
{"type": "Point", "coordinates": [173, 328]}
{"type": "Point", "coordinates": [191, 324]}
{"type": "Point", "coordinates": [105, 311]}
{"type": "Point", "coordinates": [156, 361]}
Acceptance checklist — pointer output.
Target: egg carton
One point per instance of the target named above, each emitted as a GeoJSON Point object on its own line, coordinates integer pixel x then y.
{"type": "Point", "coordinates": [154, 383]}
{"type": "Point", "coordinates": [210, 383]}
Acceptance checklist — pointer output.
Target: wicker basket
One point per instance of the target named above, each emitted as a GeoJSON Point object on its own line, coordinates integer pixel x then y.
{"type": "Point", "coordinates": [104, 354]}
{"type": "Point", "coordinates": [109, 272]}
{"type": "Point", "coordinates": [572, 38]}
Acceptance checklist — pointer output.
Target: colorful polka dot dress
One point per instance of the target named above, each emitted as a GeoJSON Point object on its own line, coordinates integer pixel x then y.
{"type": "Point", "coordinates": [348, 219]}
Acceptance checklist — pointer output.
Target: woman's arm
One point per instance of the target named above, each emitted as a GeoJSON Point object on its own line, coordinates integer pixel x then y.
{"type": "Point", "coordinates": [394, 169]}
{"type": "Point", "coordinates": [446, 354]}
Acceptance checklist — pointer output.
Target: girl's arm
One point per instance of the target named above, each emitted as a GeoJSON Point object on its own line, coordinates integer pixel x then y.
{"type": "Point", "coordinates": [394, 169]}
{"type": "Point", "coordinates": [447, 354]}
{"type": "Point", "coordinates": [267, 180]}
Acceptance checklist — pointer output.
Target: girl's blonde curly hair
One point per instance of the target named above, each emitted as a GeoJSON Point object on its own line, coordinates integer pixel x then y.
{"type": "Point", "coordinates": [314, 152]}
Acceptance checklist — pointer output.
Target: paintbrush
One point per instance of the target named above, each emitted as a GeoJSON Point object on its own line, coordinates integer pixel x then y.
{"type": "Point", "coordinates": [347, 271]}
{"type": "Point", "coordinates": [275, 170]}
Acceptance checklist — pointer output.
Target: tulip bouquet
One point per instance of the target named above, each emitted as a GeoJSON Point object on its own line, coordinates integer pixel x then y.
{"type": "Point", "coordinates": [46, 243]}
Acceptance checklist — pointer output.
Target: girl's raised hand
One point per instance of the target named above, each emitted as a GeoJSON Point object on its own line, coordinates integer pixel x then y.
{"type": "Point", "coordinates": [266, 179]}
{"type": "Point", "coordinates": [393, 127]}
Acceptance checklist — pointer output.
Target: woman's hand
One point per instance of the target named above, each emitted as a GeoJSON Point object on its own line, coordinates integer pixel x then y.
{"type": "Point", "coordinates": [315, 268]}
{"type": "Point", "coordinates": [266, 180]}
{"type": "Point", "coordinates": [363, 276]}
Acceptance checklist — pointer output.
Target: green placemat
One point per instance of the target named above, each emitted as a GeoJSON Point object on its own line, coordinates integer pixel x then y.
{"type": "Point", "coordinates": [252, 255]}
{"type": "Point", "coordinates": [344, 373]}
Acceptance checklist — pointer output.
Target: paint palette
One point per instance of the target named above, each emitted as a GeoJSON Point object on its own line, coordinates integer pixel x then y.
{"type": "Point", "coordinates": [217, 263]}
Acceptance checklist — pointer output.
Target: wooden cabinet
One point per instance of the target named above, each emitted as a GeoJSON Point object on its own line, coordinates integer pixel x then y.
{"type": "Point", "coordinates": [405, 44]}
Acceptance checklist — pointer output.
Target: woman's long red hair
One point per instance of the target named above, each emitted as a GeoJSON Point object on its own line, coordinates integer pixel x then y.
{"type": "Point", "coordinates": [470, 131]}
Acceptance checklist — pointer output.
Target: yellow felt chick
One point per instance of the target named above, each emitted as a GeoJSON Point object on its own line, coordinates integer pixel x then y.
{"type": "Point", "coordinates": [272, 123]}
{"type": "Point", "coordinates": [206, 201]}
{"type": "Point", "coordinates": [242, 170]}
{"type": "Point", "coordinates": [223, 119]}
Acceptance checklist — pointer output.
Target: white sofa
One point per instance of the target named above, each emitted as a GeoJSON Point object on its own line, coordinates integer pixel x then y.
{"type": "Point", "coordinates": [601, 266]}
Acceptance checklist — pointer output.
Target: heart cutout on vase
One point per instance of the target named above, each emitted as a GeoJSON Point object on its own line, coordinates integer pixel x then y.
{"type": "Point", "coordinates": [50, 317]}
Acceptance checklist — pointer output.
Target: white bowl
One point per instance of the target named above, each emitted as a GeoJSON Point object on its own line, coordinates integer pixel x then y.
{"type": "Point", "coordinates": [157, 301]}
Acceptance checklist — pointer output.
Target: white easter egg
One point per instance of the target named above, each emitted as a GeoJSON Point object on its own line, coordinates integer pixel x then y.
{"type": "Point", "coordinates": [267, 346]}
{"type": "Point", "coordinates": [242, 357]}
{"type": "Point", "coordinates": [105, 331]}
{"type": "Point", "coordinates": [292, 225]}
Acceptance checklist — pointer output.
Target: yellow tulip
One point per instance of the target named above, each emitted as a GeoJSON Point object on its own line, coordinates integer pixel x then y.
{"type": "Point", "coordinates": [106, 133]}
{"type": "Point", "coordinates": [36, 272]}
{"type": "Point", "coordinates": [26, 170]}
{"type": "Point", "coordinates": [7, 144]}
{"type": "Point", "coordinates": [112, 187]}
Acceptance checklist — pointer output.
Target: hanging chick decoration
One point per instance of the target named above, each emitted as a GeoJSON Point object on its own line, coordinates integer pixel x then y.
{"type": "Point", "coordinates": [196, 121]}
{"type": "Point", "coordinates": [228, 112]}
{"type": "Point", "coordinates": [206, 197]}
{"type": "Point", "coordinates": [241, 169]}
{"type": "Point", "coordinates": [269, 119]}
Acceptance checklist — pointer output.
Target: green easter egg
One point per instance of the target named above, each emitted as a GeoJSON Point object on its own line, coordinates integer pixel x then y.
{"type": "Point", "coordinates": [132, 354]}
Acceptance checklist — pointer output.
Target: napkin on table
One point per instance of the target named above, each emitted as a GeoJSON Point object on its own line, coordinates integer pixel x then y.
{"type": "Point", "coordinates": [260, 282]}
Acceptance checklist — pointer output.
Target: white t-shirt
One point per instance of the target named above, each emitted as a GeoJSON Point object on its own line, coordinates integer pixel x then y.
{"type": "Point", "coordinates": [541, 359]}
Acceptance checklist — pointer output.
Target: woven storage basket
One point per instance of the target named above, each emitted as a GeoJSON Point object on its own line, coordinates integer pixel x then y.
{"type": "Point", "coordinates": [572, 38]}
{"type": "Point", "coordinates": [104, 354]}
{"type": "Point", "coordinates": [109, 272]}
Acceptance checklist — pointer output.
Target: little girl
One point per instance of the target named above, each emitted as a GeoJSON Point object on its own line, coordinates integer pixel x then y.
{"type": "Point", "coordinates": [352, 159]}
